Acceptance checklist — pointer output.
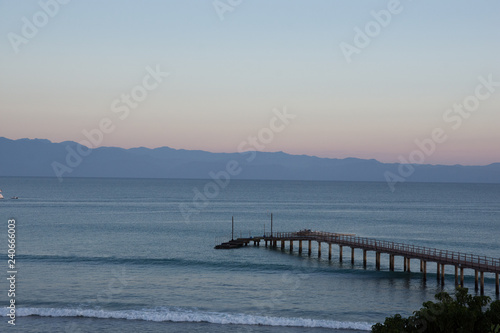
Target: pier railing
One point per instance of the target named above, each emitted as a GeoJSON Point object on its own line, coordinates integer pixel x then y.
{"type": "Point", "coordinates": [466, 260]}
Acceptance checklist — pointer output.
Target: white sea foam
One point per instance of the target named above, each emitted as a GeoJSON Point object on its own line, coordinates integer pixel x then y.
{"type": "Point", "coordinates": [177, 315]}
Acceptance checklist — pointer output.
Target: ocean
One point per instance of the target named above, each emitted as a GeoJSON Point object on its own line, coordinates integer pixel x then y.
{"type": "Point", "coordinates": [137, 255]}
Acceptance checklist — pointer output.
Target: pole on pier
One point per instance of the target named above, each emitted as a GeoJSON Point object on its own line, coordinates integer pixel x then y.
{"type": "Point", "coordinates": [377, 260]}
{"type": "Point", "coordinates": [319, 249]}
{"type": "Point", "coordinates": [364, 258]}
{"type": "Point", "coordinates": [329, 251]}
{"type": "Point", "coordinates": [282, 244]}
{"type": "Point", "coordinates": [300, 247]}
{"type": "Point", "coordinates": [405, 263]}
{"type": "Point", "coordinates": [421, 267]}
{"type": "Point", "coordinates": [424, 267]}
{"type": "Point", "coordinates": [291, 245]}
{"type": "Point", "coordinates": [340, 253]}
{"type": "Point", "coordinates": [476, 282]}
{"type": "Point", "coordinates": [309, 249]}
{"type": "Point", "coordinates": [409, 270]}
{"type": "Point", "coordinates": [456, 276]}
{"type": "Point", "coordinates": [438, 271]}
{"type": "Point", "coordinates": [352, 255]}
{"type": "Point", "coordinates": [391, 262]}
{"type": "Point", "coordinates": [271, 224]}
{"type": "Point", "coordinates": [462, 277]}
{"type": "Point", "coordinates": [232, 228]}
{"type": "Point", "coordinates": [442, 275]}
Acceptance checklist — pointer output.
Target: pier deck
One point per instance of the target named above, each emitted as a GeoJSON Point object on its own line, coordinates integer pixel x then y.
{"type": "Point", "coordinates": [461, 261]}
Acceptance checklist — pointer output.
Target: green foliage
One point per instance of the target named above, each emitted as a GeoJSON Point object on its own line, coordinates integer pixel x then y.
{"type": "Point", "coordinates": [462, 314]}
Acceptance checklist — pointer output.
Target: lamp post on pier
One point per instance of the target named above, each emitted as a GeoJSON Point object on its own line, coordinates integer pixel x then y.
{"type": "Point", "coordinates": [271, 224]}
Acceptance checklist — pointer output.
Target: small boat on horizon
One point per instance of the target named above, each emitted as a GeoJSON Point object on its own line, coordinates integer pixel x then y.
{"type": "Point", "coordinates": [2, 197]}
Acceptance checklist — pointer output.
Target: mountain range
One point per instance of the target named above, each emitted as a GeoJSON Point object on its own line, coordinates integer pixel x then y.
{"type": "Point", "coordinates": [43, 158]}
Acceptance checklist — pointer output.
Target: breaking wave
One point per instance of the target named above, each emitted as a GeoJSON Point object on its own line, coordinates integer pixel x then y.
{"type": "Point", "coordinates": [180, 315]}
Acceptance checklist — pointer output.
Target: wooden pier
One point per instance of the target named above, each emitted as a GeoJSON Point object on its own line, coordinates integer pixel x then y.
{"type": "Point", "coordinates": [460, 261]}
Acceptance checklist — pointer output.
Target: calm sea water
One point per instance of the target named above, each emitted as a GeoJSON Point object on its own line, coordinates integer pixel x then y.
{"type": "Point", "coordinates": [117, 255]}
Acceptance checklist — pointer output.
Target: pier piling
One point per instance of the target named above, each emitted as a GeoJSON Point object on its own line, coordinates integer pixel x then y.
{"type": "Point", "coordinates": [497, 285]}
{"type": "Point", "coordinates": [482, 283]}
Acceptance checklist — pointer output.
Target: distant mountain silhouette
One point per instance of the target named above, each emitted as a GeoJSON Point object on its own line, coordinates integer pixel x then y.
{"type": "Point", "coordinates": [37, 157]}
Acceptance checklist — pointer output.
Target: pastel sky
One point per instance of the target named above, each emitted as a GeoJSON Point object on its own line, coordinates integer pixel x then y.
{"type": "Point", "coordinates": [227, 75]}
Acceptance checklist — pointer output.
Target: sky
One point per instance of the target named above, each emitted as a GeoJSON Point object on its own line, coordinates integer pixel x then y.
{"type": "Point", "coordinates": [366, 79]}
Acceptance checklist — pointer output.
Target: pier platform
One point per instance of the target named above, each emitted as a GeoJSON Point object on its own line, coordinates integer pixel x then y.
{"type": "Point", "coordinates": [460, 261]}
